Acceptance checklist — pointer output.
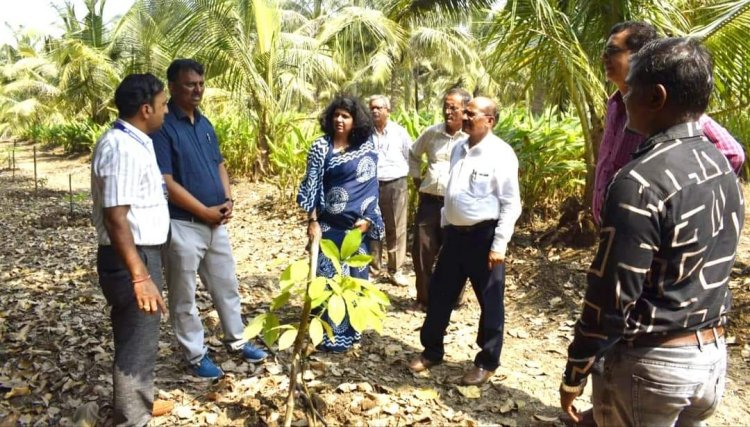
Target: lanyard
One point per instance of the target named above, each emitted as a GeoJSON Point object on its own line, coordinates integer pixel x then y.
{"type": "Point", "coordinates": [132, 134]}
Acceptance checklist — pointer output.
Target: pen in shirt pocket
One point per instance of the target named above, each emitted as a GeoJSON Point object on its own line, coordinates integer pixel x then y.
{"type": "Point", "coordinates": [208, 137]}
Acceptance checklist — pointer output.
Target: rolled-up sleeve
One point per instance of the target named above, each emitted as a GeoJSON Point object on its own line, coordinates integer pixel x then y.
{"type": "Point", "coordinates": [724, 142]}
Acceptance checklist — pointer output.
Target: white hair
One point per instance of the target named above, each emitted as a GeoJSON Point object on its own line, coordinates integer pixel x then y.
{"type": "Point", "coordinates": [384, 98]}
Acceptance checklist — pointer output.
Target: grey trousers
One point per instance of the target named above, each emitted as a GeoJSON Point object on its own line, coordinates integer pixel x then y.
{"type": "Point", "coordinates": [136, 335]}
{"type": "Point", "coordinates": [196, 248]}
{"type": "Point", "coordinates": [394, 196]}
{"type": "Point", "coordinates": [660, 386]}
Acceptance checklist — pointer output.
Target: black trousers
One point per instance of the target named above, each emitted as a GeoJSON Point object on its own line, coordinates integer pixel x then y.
{"type": "Point", "coordinates": [136, 335]}
{"type": "Point", "coordinates": [464, 254]}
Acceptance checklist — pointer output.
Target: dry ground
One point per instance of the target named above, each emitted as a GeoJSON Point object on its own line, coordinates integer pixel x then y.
{"type": "Point", "coordinates": [56, 351]}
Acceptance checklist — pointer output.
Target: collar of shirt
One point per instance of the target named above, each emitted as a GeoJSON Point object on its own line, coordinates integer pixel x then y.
{"type": "Point", "coordinates": [138, 134]}
{"type": "Point", "coordinates": [386, 128]}
{"type": "Point", "coordinates": [477, 149]}
{"type": "Point", "coordinates": [680, 131]}
{"type": "Point", "coordinates": [180, 114]}
{"type": "Point", "coordinates": [458, 135]}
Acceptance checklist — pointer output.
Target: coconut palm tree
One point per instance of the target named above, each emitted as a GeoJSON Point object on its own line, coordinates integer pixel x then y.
{"type": "Point", "coordinates": [87, 60]}
{"type": "Point", "coordinates": [28, 79]}
{"type": "Point", "coordinates": [551, 49]}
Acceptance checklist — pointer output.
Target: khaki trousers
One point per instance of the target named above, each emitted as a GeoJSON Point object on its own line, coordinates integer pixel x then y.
{"type": "Point", "coordinates": [393, 200]}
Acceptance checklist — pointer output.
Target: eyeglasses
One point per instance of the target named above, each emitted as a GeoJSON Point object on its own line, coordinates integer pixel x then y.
{"type": "Point", "coordinates": [471, 115]}
{"type": "Point", "coordinates": [377, 107]}
{"type": "Point", "coordinates": [611, 51]}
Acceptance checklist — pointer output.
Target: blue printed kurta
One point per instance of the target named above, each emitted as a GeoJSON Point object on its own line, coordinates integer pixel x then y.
{"type": "Point", "coordinates": [343, 187]}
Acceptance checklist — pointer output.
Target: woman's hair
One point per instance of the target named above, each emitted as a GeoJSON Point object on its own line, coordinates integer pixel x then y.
{"type": "Point", "coordinates": [362, 126]}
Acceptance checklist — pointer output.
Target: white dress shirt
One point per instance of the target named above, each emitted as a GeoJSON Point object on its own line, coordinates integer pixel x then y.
{"type": "Point", "coordinates": [437, 144]}
{"type": "Point", "coordinates": [124, 173]}
{"type": "Point", "coordinates": [393, 151]}
{"type": "Point", "coordinates": [483, 185]}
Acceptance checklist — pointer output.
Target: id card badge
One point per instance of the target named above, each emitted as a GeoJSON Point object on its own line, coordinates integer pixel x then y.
{"type": "Point", "coordinates": [164, 188]}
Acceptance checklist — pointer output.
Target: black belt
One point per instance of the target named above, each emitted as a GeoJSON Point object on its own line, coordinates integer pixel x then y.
{"type": "Point", "coordinates": [189, 219]}
{"type": "Point", "coordinates": [473, 227]}
{"type": "Point", "coordinates": [390, 181]}
{"type": "Point", "coordinates": [429, 196]}
{"type": "Point", "coordinates": [136, 246]}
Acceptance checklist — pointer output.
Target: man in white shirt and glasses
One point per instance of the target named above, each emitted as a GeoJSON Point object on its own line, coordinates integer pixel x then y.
{"type": "Point", "coordinates": [132, 222]}
{"type": "Point", "coordinates": [482, 204]}
{"type": "Point", "coordinates": [392, 143]}
{"type": "Point", "coordinates": [436, 143]}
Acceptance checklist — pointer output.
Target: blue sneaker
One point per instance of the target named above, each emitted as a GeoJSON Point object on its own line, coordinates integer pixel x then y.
{"type": "Point", "coordinates": [206, 369]}
{"type": "Point", "coordinates": [252, 353]}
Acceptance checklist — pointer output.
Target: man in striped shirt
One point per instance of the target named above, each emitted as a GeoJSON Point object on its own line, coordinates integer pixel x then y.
{"type": "Point", "coordinates": [132, 221]}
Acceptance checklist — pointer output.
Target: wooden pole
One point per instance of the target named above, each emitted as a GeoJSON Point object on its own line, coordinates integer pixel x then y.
{"type": "Point", "coordinates": [301, 336]}
{"type": "Point", "coordinates": [70, 188]}
{"type": "Point", "coordinates": [36, 183]}
{"type": "Point", "coordinates": [13, 167]}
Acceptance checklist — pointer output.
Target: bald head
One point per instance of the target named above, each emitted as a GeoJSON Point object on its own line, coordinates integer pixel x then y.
{"type": "Point", "coordinates": [487, 106]}
{"type": "Point", "coordinates": [480, 118]}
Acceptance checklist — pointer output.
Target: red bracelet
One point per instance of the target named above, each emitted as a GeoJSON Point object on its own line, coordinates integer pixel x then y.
{"type": "Point", "coordinates": [141, 279]}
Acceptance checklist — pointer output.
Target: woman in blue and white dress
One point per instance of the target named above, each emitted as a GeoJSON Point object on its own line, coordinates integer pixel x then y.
{"type": "Point", "coordinates": [340, 192]}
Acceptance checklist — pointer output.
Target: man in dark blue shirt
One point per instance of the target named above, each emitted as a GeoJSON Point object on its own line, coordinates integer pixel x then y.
{"type": "Point", "coordinates": [200, 204]}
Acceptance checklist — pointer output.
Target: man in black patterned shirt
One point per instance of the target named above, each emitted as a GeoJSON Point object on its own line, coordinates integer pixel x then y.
{"type": "Point", "coordinates": [657, 292]}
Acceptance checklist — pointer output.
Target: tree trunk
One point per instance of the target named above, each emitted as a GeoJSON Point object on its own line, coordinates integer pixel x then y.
{"type": "Point", "coordinates": [416, 89]}
{"type": "Point", "coordinates": [299, 342]}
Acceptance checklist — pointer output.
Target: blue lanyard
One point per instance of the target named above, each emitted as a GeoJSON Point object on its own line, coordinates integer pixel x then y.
{"type": "Point", "coordinates": [132, 134]}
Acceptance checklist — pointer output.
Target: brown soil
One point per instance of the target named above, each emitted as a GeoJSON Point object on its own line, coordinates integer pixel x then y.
{"type": "Point", "coordinates": [56, 350]}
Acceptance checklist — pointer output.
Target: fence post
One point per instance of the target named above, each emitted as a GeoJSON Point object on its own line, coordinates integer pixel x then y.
{"type": "Point", "coordinates": [70, 187]}
{"type": "Point", "coordinates": [13, 155]}
{"type": "Point", "coordinates": [36, 185]}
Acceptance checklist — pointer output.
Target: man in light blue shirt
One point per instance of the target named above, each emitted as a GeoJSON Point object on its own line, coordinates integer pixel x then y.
{"type": "Point", "coordinates": [392, 143]}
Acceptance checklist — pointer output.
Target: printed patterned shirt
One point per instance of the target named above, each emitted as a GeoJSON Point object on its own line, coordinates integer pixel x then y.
{"type": "Point", "coordinates": [670, 226]}
{"type": "Point", "coordinates": [619, 143]}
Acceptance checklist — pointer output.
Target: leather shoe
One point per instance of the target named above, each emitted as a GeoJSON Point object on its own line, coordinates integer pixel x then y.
{"type": "Point", "coordinates": [420, 363]}
{"type": "Point", "coordinates": [476, 376]}
{"type": "Point", "coordinates": [162, 407]}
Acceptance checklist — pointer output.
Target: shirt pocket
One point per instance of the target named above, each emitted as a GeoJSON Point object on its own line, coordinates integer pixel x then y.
{"type": "Point", "coordinates": [480, 183]}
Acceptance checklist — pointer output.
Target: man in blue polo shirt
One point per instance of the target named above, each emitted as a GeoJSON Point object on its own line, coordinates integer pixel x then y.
{"type": "Point", "coordinates": [200, 204]}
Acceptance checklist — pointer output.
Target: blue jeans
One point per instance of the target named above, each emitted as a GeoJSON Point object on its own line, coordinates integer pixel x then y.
{"type": "Point", "coordinates": [662, 386]}
{"type": "Point", "coordinates": [136, 335]}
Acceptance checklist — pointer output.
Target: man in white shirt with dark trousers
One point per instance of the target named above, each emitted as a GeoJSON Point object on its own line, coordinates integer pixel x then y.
{"type": "Point", "coordinates": [132, 222]}
{"type": "Point", "coordinates": [482, 204]}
